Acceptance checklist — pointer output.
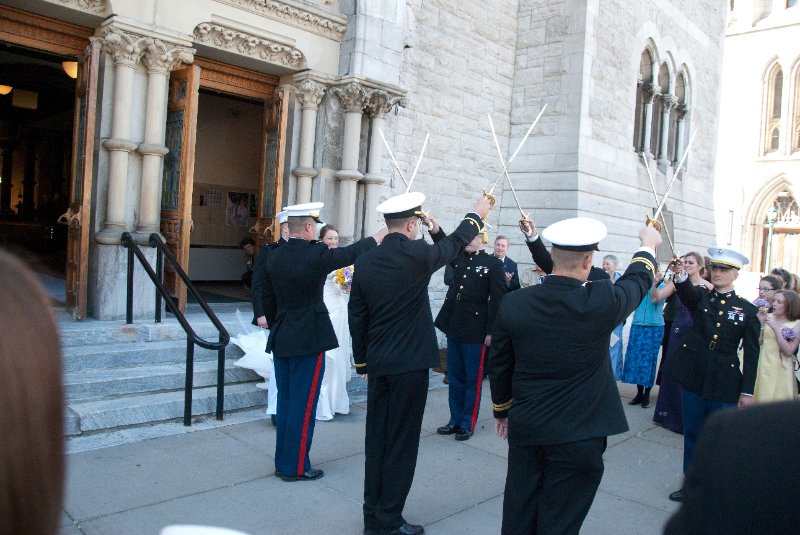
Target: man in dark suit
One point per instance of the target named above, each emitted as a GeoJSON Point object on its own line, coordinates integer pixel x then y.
{"type": "Point", "coordinates": [477, 283]}
{"type": "Point", "coordinates": [394, 343]}
{"type": "Point", "coordinates": [745, 474]}
{"type": "Point", "coordinates": [541, 256]}
{"type": "Point", "coordinates": [707, 364]}
{"type": "Point", "coordinates": [301, 332]}
{"type": "Point", "coordinates": [509, 266]}
{"type": "Point", "coordinates": [550, 349]}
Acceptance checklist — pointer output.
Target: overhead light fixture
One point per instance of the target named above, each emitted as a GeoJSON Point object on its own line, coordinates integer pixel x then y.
{"type": "Point", "coordinates": [71, 68]}
{"type": "Point", "coordinates": [5, 89]}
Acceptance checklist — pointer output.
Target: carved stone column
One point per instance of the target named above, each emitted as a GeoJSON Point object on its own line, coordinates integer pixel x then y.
{"type": "Point", "coordinates": [160, 58]}
{"type": "Point", "coordinates": [650, 92]}
{"type": "Point", "coordinates": [126, 49]}
{"type": "Point", "coordinates": [378, 105]}
{"type": "Point", "coordinates": [353, 97]}
{"type": "Point", "coordinates": [309, 95]}
{"type": "Point", "coordinates": [668, 103]}
{"type": "Point", "coordinates": [683, 110]}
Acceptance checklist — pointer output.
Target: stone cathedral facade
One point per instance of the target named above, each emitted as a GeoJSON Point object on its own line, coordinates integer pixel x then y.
{"type": "Point", "coordinates": [198, 120]}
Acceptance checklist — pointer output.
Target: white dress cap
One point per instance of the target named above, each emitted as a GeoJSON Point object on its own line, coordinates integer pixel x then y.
{"type": "Point", "coordinates": [729, 258]}
{"type": "Point", "coordinates": [310, 209]}
{"type": "Point", "coordinates": [576, 234]}
{"type": "Point", "coordinates": [402, 206]}
{"type": "Point", "coordinates": [282, 216]}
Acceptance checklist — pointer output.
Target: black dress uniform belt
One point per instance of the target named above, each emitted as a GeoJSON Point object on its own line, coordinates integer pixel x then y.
{"type": "Point", "coordinates": [469, 299]}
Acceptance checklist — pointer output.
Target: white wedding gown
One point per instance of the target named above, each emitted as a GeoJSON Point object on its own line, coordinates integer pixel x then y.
{"type": "Point", "coordinates": [333, 392]}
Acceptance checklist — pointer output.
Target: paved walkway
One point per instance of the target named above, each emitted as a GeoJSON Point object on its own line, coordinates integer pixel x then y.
{"type": "Point", "coordinates": [223, 475]}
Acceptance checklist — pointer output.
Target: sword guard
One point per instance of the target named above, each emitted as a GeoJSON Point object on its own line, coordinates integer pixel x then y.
{"type": "Point", "coordinates": [489, 197]}
{"type": "Point", "coordinates": [650, 222]}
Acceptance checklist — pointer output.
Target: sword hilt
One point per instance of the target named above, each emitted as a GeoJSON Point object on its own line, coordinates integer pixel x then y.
{"type": "Point", "coordinates": [650, 222]}
{"type": "Point", "coordinates": [488, 196]}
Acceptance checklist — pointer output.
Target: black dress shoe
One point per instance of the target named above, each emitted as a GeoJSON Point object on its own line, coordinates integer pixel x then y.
{"type": "Point", "coordinates": [463, 434]}
{"type": "Point", "coordinates": [448, 429]}
{"type": "Point", "coordinates": [405, 529]}
{"type": "Point", "coordinates": [645, 402]}
{"type": "Point", "coordinates": [636, 400]}
{"type": "Point", "coordinates": [677, 496]}
{"type": "Point", "coordinates": [309, 475]}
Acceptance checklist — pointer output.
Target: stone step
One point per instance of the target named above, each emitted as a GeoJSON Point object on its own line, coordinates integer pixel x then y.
{"type": "Point", "coordinates": [108, 383]}
{"type": "Point", "coordinates": [88, 416]}
{"type": "Point", "coordinates": [95, 332]}
{"type": "Point", "coordinates": [112, 356]}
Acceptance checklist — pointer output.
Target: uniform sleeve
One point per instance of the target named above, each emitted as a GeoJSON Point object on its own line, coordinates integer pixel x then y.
{"type": "Point", "coordinates": [501, 366]}
{"type": "Point", "coordinates": [689, 294]}
{"type": "Point", "coordinates": [514, 283]}
{"type": "Point", "coordinates": [344, 256]}
{"type": "Point", "coordinates": [449, 274]}
{"type": "Point", "coordinates": [445, 249]}
{"type": "Point", "coordinates": [270, 302]}
{"type": "Point", "coordinates": [257, 286]}
{"type": "Point", "coordinates": [633, 285]}
{"type": "Point", "coordinates": [750, 354]}
{"type": "Point", "coordinates": [540, 255]}
{"type": "Point", "coordinates": [358, 320]}
{"type": "Point", "coordinates": [497, 289]}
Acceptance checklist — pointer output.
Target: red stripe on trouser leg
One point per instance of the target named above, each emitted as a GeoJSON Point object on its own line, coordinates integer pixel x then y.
{"type": "Point", "coordinates": [301, 458]}
{"type": "Point", "coordinates": [478, 385]}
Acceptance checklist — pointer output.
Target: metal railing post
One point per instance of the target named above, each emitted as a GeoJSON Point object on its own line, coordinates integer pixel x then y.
{"type": "Point", "coordinates": [129, 290]}
{"type": "Point", "coordinates": [160, 275]}
{"type": "Point", "coordinates": [220, 379]}
{"type": "Point", "coordinates": [187, 397]}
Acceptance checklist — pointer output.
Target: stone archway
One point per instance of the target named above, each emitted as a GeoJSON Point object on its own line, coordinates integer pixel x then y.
{"type": "Point", "coordinates": [784, 250]}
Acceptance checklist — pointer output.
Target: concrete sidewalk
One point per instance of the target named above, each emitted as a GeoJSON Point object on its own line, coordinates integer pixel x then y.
{"type": "Point", "coordinates": [223, 476]}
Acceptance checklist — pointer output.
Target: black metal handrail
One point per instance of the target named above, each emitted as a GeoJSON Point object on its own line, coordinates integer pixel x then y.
{"type": "Point", "coordinates": [191, 337]}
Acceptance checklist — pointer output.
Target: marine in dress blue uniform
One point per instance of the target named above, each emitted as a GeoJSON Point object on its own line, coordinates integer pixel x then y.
{"type": "Point", "coordinates": [476, 284]}
{"type": "Point", "coordinates": [394, 343]}
{"type": "Point", "coordinates": [707, 363]}
{"type": "Point", "coordinates": [301, 332]}
{"type": "Point", "coordinates": [553, 393]}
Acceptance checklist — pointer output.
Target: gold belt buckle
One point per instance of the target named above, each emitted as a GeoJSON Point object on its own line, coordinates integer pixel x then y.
{"type": "Point", "coordinates": [712, 345]}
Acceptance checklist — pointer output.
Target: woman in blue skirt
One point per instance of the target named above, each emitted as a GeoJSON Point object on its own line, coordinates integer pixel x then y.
{"type": "Point", "coordinates": [644, 343]}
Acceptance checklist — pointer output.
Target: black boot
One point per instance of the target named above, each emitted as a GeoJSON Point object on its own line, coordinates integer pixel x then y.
{"type": "Point", "coordinates": [646, 398]}
{"type": "Point", "coordinates": [638, 399]}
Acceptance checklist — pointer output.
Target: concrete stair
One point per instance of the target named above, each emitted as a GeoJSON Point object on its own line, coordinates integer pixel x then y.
{"type": "Point", "coordinates": [118, 375]}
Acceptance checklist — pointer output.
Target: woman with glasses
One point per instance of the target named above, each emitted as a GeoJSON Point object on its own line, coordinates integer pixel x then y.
{"type": "Point", "coordinates": [668, 412]}
{"type": "Point", "coordinates": [767, 286]}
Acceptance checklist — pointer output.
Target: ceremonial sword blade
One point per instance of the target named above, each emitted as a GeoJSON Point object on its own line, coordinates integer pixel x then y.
{"type": "Point", "coordinates": [505, 172]}
{"type": "Point", "coordinates": [391, 155]}
{"type": "Point", "coordinates": [655, 195]}
{"type": "Point", "coordinates": [521, 143]}
{"type": "Point", "coordinates": [674, 177]}
{"type": "Point", "coordinates": [419, 160]}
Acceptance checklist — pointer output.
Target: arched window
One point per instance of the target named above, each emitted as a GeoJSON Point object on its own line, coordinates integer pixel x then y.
{"type": "Point", "coordinates": [678, 113]}
{"type": "Point", "coordinates": [772, 129]}
{"type": "Point", "coordinates": [790, 3]}
{"type": "Point", "coordinates": [644, 82]}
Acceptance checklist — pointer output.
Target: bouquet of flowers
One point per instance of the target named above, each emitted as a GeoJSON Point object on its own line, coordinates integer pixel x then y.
{"type": "Point", "coordinates": [344, 278]}
{"type": "Point", "coordinates": [762, 304]}
{"type": "Point", "coordinates": [788, 334]}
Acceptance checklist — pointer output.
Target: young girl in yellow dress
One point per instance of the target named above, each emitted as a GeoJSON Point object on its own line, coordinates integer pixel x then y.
{"type": "Point", "coordinates": [779, 340]}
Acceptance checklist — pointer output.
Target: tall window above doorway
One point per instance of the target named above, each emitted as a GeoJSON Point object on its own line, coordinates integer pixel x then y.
{"type": "Point", "coordinates": [796, 118]}
{"type": "Point", "coordinates": [772, 133]}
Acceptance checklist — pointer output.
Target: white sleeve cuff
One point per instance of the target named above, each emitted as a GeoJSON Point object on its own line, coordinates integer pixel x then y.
{"type": "Point", "coordinates": [532, 239]}
{"type": "Point", "coordinates": [645, 249]}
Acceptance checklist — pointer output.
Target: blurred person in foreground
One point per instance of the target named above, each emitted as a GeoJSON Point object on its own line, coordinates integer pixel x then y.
{"type": "Point", "coordinates": [32, 440]}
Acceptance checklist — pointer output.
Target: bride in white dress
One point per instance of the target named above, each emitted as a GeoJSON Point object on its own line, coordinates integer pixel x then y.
{"type": "Point", "coordinates": [333, 392]}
